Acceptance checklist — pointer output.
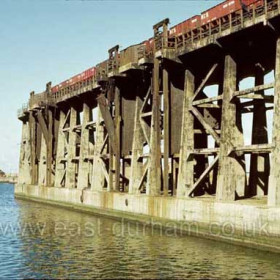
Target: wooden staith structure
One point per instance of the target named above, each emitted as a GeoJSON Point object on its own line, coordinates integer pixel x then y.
{"type": "Point", "coordinates": [142, 123]}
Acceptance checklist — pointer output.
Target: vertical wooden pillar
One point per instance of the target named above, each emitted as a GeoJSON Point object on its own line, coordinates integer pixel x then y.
{"type": "Point", "coordinates": [166, 131]}
{"type": "Point", "coordinates": [137, 148]}
{"type": "Point", "coordinates": [98, 164]}
{"type": "Point", "coordinates": [49, 164]}
{"type": "Point", "coordinates": [83, 173]}
{"type": "Point", "coordinates": [42, 176]}
{"type": "Point", "coordinates": [259, 168]}
{"type": "Point", "coordinates": [25, 175]}
{"type": "Point", "coordinates": [274, 178]}
{"type": "Point", "coordinates": [117, 138]}
{"type": "Point", "coordinates": [154, 171]}
{"type": "Point", "coordinates": [32, 132]}
{"type": "Point", "coordinates": [231, 175]}
{"type": "Point", "coordinates": [71, 166]}
{"type": "Point", "coordinates": [186, 161]}
{"type": "Point", "coordinates": [60, 167]}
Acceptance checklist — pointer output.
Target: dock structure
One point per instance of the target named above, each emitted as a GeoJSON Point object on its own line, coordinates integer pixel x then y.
{"type": "Point", "coordinates": [143, 125]}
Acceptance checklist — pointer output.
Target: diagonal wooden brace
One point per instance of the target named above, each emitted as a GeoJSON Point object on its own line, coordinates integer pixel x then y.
{"type": "Point", "coordinates": [108, 120]}
{"type": "Point", "coordinates": [205, 124]}
{"type": "Point", "coordinates": [203, 175]}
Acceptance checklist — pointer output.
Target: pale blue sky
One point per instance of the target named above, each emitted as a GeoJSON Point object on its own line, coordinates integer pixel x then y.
{"type": "Point", "coordinates": [43, 41]}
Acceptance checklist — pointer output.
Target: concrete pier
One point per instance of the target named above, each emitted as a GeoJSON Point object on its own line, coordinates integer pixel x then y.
{"type": "Point", "coordinates": [143, 134]}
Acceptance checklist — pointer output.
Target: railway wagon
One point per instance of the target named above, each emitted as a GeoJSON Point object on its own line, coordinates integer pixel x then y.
{"type": "Point", "coordinates": [226, 8]}
{"type": "Point", "coordinates": [149, 46]}
{"type": "Point", "coordinates": [185, 26]}
{"type": "Point", "coordinates": [85, 76]}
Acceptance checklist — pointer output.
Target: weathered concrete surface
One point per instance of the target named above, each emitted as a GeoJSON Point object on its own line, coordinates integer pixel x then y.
{"type": "Point", "coordinates": [251, 224]}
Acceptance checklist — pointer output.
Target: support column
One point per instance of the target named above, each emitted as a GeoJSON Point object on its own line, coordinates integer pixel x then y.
{"type": "Point", "coordinates": [186, 161]}
{"type": "Point", "coordinates": [166, 130]}
{"type": "Point", "coordinates": [274, 178]}
{"type": "Point", "coordinates": [33, 167]}
{"type": "Point", "coordinates": [154, 171]}
{"type": "Point", "coordinates": [60, 166]}
{"type": "Point", "coordinates": [117, 121]}
{"type": "Point", "coordinates": [83, 173]}
{"type": "Point", "coordinates": [259, 168]}
{"type": "Point", "coordinates": [98, 164]}
{"type": "Point", "coordinates": [71, 166]}
{"type": "Point", "coordinates": [137, 149]}
{"type": "Point", "coordinates": [42, 176]}
{"type": "Point", "coordinates": [231, 175]}
{"type": "Point", "coordinates": [49, 164]}
{"type": "Point", "coordinates": [24, 176]}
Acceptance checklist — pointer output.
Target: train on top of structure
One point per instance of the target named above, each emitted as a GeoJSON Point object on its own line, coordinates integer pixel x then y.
{"type": "Point", "coordinates": [212, 20]}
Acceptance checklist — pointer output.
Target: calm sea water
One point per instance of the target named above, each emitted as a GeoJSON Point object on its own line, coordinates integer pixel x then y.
{"type": "Point", "coordinates": [39, 241]}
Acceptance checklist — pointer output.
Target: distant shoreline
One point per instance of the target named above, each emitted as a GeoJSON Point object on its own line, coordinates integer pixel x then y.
{"type": "Point", "coordinates": [7, 179]}
{"type": "Point", "coordinates": [7, 182]}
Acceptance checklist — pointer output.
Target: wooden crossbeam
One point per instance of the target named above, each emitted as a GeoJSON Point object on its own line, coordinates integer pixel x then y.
{"type": "Point", "coordinates": [205, 124]}
{"type": "Point", "coordinates": [205, 151]}
{"type": "Point", "coordinates": [253, 89]}
{"type": "Point", "coordinates": [204, 81]}
{"type": "Point", "coordinates": [253, 149]}
{"type": "Point", "coordinates": [91, 124]}
{"type": "Point", "coordinates": [147, 114]}
{"type": "Point", "coordinates": [209, 106]}
{"type": "Point", "coordinates": [266, 98]}
{"type": "Point", "coordinates": [207, 100]}
{"type": "Point", "coordinates": [204, 175]}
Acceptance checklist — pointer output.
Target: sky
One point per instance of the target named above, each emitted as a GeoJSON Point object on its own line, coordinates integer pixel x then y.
{"type": "Point", "coordinates": [52, 40]}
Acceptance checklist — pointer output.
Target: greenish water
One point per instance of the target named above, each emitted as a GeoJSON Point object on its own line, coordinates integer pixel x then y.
{"type": "Point", "coordinates": [39, 241]}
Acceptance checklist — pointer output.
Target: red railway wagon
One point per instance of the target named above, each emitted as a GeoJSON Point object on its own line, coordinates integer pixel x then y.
{"type": "Point", "coordinates": [185, 26]}
{"type": "Point", "coordinates": [149, 46]}
{"type": "Point", "coordinates": [86, 75]}
{"type": "Point", "coordinates": [226, 8]}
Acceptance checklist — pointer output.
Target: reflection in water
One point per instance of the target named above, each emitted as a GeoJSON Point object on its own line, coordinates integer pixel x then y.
{"type": "Point", "coordinates": [39, 241]}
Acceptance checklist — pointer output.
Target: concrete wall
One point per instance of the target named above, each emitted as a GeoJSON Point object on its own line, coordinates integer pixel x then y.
{"type": "Point", "coordinates": [248, 223]}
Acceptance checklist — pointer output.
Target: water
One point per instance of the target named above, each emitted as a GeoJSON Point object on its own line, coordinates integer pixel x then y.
{"type": "Point", "coordinates": [39, 241]}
